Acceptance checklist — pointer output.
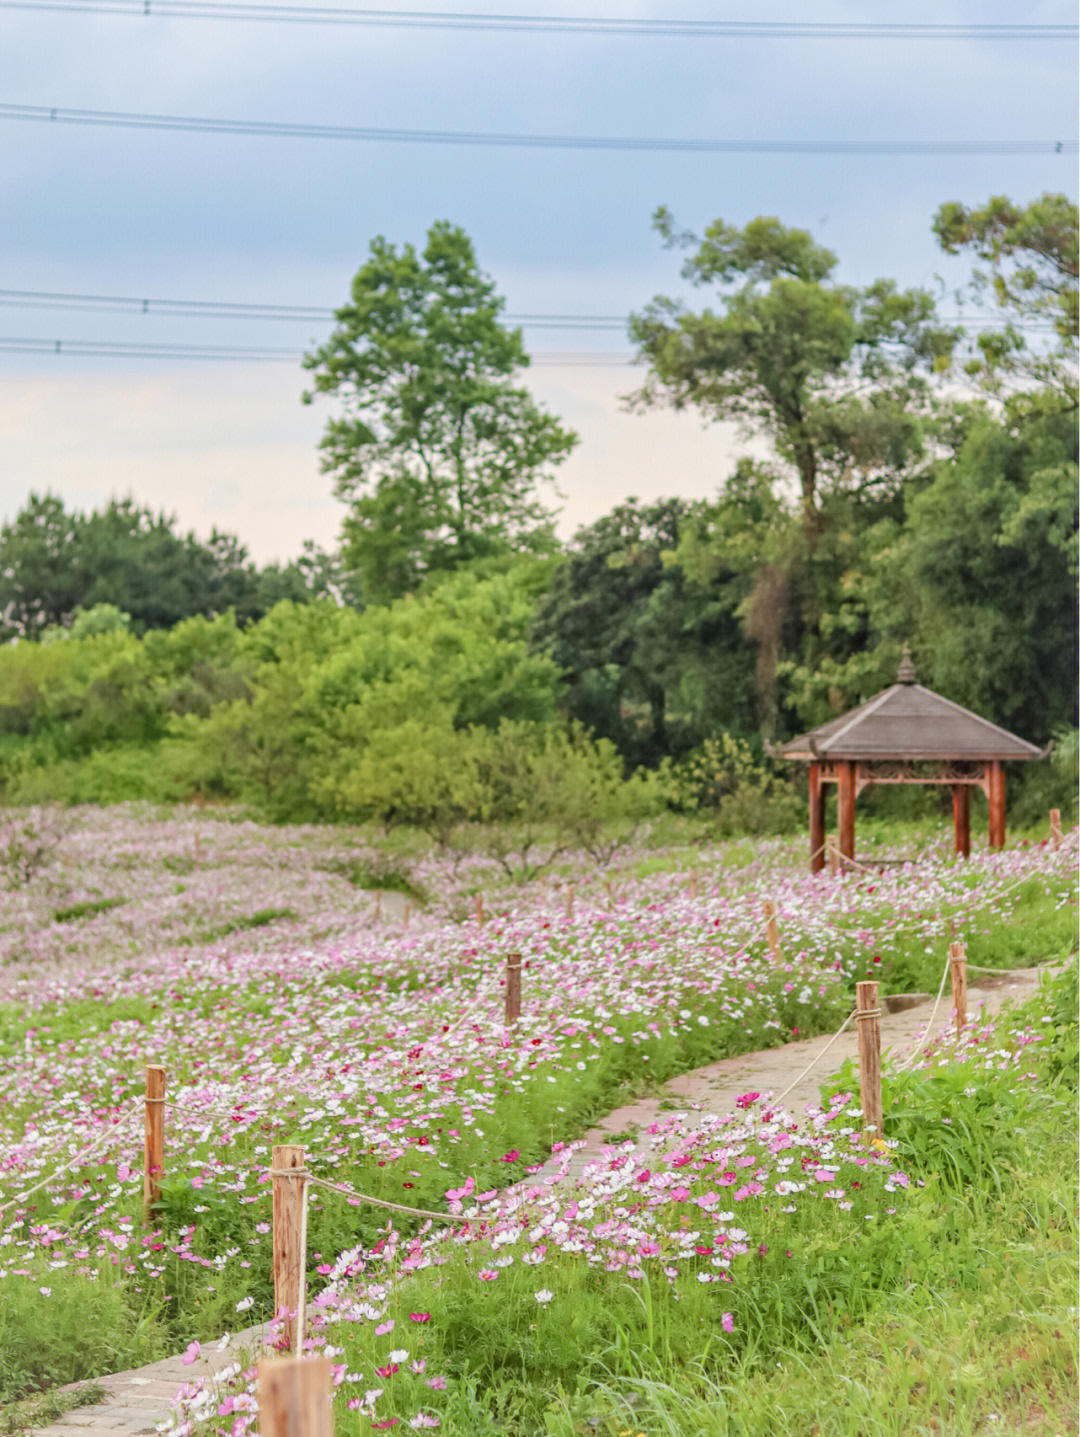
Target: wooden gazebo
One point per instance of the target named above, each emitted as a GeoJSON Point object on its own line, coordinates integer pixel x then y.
{"type": "Point", "coordinates": [907, 734]}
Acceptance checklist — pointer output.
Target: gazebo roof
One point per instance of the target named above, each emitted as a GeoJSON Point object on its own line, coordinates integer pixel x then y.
{"type": "Point", "coordinates": [909, 722]}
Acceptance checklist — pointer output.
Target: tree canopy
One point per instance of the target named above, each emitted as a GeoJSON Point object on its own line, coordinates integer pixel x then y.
{"type": "Point", "coordinates": [439, 452]}
{"type": "Point", "coordinates": [1027, 259]}
{"type": "Point", "coordinates": [835, 376]}
{"type": "Point", "coordinates": [54, 563]}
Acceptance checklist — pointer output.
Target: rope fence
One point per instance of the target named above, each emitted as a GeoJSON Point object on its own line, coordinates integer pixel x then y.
{"type": "Point", "coordinates": [292, 1179]}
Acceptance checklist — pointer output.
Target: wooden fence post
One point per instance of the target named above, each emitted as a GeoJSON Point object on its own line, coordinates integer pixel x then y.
{"type": "Point", "coordinates": [513, 987]}
{"type": "Point", "coordinates": [832, 853]}
{"type": "Point", "coordinates": [289, 1240]}
{"type": "Point", "coordinates": [569, 910]}
{"type": "Point", "coordinates": [153, 1139]}
{"type": "Point", "coordinates": [378, 908]}
{"type": "Point", "coordinates": [479, 908]}
{"type": "Point", "coordinates": [693, 883]}
{"type": "Point", "coordinates": [294, 1398]}
{"type": "Point", "coordinates": [958, 973]}
{"type": "Point", "coordinates": [772, 928]}
{"type": "Point", "coordinates": [1055, 827]}
{"type": "Point", "coordinates": [868, 1016]}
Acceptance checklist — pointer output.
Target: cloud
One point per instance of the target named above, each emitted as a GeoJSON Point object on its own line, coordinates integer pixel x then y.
{"type": "Point", "coordinates": [232, 446]}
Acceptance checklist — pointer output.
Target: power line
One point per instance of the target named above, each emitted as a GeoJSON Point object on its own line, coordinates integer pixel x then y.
{"type": "Point", "coordinates": [108, 349]}
{"type": "Point", "coordinates": [628, 27]}
{"type": "Point", "coordinates": [238, 309]}
{"type": "Point", "coordinates": [235, 309]}
{"type": "Point", "coordinates": [115, 119]}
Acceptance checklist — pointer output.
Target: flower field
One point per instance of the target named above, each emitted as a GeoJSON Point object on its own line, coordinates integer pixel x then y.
{"type": "Point", "coordinates": [249, 963]}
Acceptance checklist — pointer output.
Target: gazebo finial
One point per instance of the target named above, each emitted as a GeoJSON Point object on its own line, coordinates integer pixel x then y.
{"type": "Point", "coordinates": [905, 674]}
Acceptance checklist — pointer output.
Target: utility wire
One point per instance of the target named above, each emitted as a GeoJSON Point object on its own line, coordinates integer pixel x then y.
{"type": "Point", "coordinates": [237, 309]}
{"type": "Point", "coordinates": [116, 119]}
{"type": "Point", "coordinates": [108, 349]}
{"type": "Point", "coordinates": [230, 309]}
{"type": "Point", "coordinates": [621, 26]}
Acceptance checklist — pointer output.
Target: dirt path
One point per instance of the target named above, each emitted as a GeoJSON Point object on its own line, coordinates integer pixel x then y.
{"type": "Point", "coordinates": [138, 1401]}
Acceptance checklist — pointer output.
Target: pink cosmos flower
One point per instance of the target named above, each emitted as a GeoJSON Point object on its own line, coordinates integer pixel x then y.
{"type": "Point", "coordinates": [420, 1316]}
{"type": "Point", "coordinates": [486, 1275]}
{"type": "Point", "coordinates": [193, 1350]}
{"type": "Point", "coordinates": [727, 1322]}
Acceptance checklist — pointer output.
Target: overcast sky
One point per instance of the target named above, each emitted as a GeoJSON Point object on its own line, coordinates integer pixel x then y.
{"type": "Point", "coordinates": [168, 215]}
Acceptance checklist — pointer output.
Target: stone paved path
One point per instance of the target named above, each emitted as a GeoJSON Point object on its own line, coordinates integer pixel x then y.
{"type": "Point", "coordinates": [138, 1401]}
{"type": "Point", "coordinates": [714, 1088]}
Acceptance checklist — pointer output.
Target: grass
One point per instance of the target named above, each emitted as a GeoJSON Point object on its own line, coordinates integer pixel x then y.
{"type": "Point", "coordinates": [46, 1408]}
{"type": "Point", "coordinates": [373, 877]}
{"type": "Point", "coordinates": [90, 908]}
{"type": "Point", "coordinates": [959, 1318]}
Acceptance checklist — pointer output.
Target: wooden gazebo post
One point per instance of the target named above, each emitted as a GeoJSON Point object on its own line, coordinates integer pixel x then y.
{"type": "Point", "coordinates": [845, 807]}
{"type": "Point", "coordinates": [817, 819]}
{"type": "Point", "coordinates": [995, 792]}
{"type": "Point", "coordinates": [961, 812]}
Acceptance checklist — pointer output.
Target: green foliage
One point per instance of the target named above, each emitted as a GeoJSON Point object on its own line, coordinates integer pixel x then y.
{"type": "Point", "coordinates": [101, 619]}
{"type": "Point", "coordinates": [123, 558]}
{"type": "Point", "coordinates": [1061, 1056]}
{"type": "Point", "coordinates": [28, 843]}
{"type": "Point", "coordinates": [376, 876]}
{"type": "Point", "coordinates": [88, 908]}
{"type": "Point", "coordinates": [47, 1408]}
{"type": "Point", "coordinates": [86, 1327]}
{"type": "Point", "coordinates": [791, 353]}
{"type": "Point", "coordinates": [977, 571]}
{"type": "Point", "coordinates": [521, 792]}
{"type": "Point", "coordinates": [1028, 260]}
{"type": "Point", "coordinates": [438, 452]}
{"type": "Point", "coordinates": [733, 789]}
{"type": "Point", "coordinates": [161, 674]}
{"type": "Point", "coordinates": [1052, 783]}
{"type": "Point", "coordinates": [652, 651]}
{"type": "Point", "coordinates": [546, 791]}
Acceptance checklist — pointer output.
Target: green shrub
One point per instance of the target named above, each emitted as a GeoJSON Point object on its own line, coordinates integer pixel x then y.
{"type": "Point", "coordinates": [732, 789]}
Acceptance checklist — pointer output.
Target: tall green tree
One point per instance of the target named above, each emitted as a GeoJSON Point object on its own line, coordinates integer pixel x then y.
{"type": "Point", "coordinates": [1026, 258]}
{"type": "Point", "coordinates": [40, 579]}
{"type": "Point", "coordinates": [978, 574]}
{"type": "Point", "coordinates": [837, 377]}
{"type": "Point", "coordinates": [653, 654]}
{"type": "Point", "coordinates": [54, 563]}
{"type": "Point", "coordinates": [438, 450]}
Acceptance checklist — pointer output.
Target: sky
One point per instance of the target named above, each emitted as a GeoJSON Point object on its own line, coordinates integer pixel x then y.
{"type": "Point", "coordinates": [168, 215]}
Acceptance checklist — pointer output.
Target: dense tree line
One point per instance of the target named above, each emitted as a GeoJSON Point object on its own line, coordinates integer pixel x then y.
{"type": "Point", "coordinates": [453, 651]}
